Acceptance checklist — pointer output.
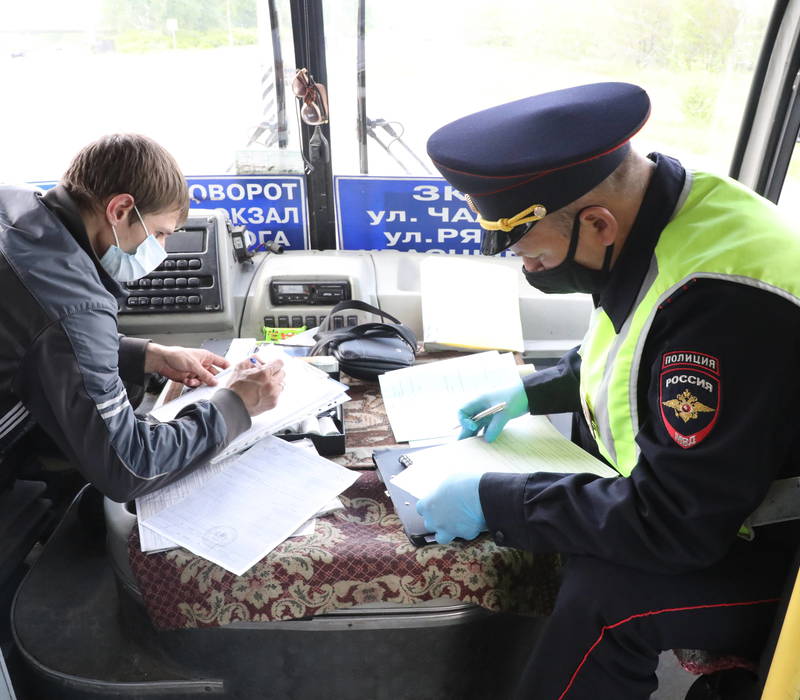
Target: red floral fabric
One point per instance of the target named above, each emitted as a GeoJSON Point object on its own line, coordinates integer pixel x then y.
{"type": "Point", "coordinates": [357, 555]}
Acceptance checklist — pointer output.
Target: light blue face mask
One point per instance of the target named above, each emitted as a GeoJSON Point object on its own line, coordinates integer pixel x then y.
{"type": "Point", "coordinates": [125, 267]}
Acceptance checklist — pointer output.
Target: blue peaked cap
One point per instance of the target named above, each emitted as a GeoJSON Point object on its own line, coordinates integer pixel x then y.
{"type": "Point", "coordinates": [546, 150]}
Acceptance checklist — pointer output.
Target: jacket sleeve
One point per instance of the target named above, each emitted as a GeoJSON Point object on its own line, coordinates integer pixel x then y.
{"type": "Point", "coordinates": [70, 383]}
{"type": "Point", "coordinates": [556, 389]}
{"type": "Point", "coordinates": [132, 353]}
{"type": "Point", "coordinates": [681, 508]}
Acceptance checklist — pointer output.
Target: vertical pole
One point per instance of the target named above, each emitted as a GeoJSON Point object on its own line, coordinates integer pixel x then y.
{"type": "Point", "coordinates": [280, 72]}
{"type": "Point", "coordinates": [309, 49]}
{"type": "Point", "coordinates": [361, 89]}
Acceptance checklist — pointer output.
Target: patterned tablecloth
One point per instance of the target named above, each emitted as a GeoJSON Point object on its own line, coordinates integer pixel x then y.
{"type": "Point", "coordinates": [355, 556]}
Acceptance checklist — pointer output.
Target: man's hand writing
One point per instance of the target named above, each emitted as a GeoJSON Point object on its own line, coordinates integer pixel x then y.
{"type": "Point", "coordinates": [258, 385]}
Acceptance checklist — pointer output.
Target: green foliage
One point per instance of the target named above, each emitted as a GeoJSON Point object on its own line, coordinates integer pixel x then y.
{"type": "Point", "coordinates": [144, 41]}
{"type": "Point", "coordinates": [141, 25]}
{"type": "Point", "coordinates": [699, 99]}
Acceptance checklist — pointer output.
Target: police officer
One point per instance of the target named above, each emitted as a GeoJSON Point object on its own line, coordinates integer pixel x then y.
{"type": "Point", "coordinates": [685, 383]}
{"type": "Point", "coordinates": [63, 255]}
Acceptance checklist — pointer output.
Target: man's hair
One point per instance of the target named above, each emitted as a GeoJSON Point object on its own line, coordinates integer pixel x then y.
{"type": "Point", "coordinates": [614, 183]}
{"type": "Point", "coordinates": [127, 164]}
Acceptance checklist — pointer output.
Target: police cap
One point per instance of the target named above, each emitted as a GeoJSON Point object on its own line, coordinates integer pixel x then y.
{"type": "Point", "coordinates": [520, 161]}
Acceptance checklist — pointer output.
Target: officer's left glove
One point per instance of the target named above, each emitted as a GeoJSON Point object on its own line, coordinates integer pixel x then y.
{"type": "Point", "coordinates": [454, 509]}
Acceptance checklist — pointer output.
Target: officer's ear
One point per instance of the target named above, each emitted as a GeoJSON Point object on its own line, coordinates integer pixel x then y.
{"type": "Point", "coordinates": [600, 224]}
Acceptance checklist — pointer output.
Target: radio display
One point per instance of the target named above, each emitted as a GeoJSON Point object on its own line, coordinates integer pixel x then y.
{"type": "Point", "coordinates": [291, 289]}
{"type": "Point", "coordinates": [187, 241]}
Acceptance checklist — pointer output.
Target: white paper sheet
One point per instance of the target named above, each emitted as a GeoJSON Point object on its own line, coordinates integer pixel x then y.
{"type": "Point", "coordinates": [308, 392]}
{"type": "Point", "coordinates": [251, 506]}
{"type": "Point", "coordinates": [422, 402]}
{"type": "Point", "coordinates": [527, 444]}
{"type": "Point", "coordinates": [490, 320]}
{"type": "Point", "coordinates": [150, 504]}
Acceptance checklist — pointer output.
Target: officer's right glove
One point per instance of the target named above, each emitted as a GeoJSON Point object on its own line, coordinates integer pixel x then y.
{"type": "Point", "coordinates": [516, 400]}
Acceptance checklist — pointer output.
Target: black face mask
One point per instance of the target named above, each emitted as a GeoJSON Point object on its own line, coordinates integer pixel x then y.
{"type": "Point", "coordinates": [569, 276]}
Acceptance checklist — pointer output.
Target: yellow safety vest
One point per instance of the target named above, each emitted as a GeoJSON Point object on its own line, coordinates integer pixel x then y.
{"type": "Point", "coordinates": [721, 230]}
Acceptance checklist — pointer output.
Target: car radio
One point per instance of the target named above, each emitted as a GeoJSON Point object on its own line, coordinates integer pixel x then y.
{"type": "Point", "coordinates": [300, 292]}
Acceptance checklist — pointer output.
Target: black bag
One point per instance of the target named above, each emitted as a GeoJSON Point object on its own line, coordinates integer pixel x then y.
{"type": "Point", "coordinates": [369, 349]}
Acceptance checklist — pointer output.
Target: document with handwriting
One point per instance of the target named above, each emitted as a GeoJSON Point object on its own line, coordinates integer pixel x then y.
{"type": "Point", "coordinates": [422, 402]}
{"type": "Point", "coordinates": [527, 444]}
{"type": "Point", "coordinates": [308, 392]}
{"type": "Point", "coordinates": [252, 505]}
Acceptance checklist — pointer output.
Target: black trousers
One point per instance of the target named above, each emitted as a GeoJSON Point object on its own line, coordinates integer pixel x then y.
{"type": "Point", "coordinates": [610, 623]}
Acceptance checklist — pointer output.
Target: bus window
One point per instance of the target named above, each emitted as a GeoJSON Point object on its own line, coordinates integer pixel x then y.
{"type": "Point", "coordinates": [198, 77]}
{"type": "Point", "coordinates": [427, 63]}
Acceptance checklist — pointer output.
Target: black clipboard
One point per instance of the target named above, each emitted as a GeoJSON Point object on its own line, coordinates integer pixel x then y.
{"type": "Point", "coordinates": [388, 464]}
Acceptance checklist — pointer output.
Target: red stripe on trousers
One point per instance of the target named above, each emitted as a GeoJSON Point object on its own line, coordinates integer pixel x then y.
{"type": "Point", "coordinates": [648, 614]}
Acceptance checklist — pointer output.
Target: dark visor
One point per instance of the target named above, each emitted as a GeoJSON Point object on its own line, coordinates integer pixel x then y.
{"type": "Point", "coordinates": [494, 242]}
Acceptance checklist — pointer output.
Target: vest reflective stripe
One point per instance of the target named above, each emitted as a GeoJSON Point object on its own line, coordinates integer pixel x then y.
{"type": "Point", "coordinates": [721, 231]}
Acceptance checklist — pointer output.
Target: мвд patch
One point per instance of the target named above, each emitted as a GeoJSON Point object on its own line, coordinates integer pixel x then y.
{"type": "Point", "coordinates": [689, 394]}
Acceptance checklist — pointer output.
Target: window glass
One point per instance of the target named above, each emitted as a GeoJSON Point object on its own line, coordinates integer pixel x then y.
{"type": "Point", "coordinates": [199, 77]}
{"type": "Point", "coordinates": [428, 63]}
{"type": "Point", "coordinates": [196, 76]}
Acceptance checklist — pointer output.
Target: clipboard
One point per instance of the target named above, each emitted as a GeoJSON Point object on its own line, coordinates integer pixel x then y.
{"type": "Point", "coordinates": [388, 464]}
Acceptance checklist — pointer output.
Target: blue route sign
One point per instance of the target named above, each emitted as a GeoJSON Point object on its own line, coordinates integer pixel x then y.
{"type": "Point", "coordinates": [272, 208]}
{"type": "Point", "coordinates": [404, 213]}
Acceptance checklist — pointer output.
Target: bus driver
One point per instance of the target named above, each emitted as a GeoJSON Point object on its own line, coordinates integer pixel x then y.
{"type": "Point", "coordinates": [62, 362]}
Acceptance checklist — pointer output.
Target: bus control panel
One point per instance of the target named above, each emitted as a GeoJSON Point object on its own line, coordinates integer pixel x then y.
{"type": "Point", "coordinates": [188, 279]}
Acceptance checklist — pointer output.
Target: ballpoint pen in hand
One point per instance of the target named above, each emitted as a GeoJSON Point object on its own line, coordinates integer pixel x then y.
{"type": "Point", "coordinates": [485, 413]}
{"type": "Point", "coordinates": [489, 411]}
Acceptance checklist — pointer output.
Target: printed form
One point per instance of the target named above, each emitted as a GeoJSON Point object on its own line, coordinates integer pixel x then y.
{"type": "Point", "coordinates": [150, 504]}
{"type": "Point", "coordinates": [527, 444]}
{"type": "Point", "coordinates": [252, 505]}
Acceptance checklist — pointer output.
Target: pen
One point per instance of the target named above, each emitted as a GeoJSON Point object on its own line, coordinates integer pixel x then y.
{"type": "Point", "coordinates": [489, 411]}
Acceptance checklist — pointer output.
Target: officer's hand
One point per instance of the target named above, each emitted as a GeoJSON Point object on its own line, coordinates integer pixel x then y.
{"type": "Point", "coordinates": [190, 366]}
{"type": "Point", "coordinates": [454, 509]}
{"type": "Point", "coordinates": [516, 401]}
{"type": "Point", "coordinates": [258, 385]}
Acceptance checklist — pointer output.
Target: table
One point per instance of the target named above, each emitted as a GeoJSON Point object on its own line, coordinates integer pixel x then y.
{"type": "Point", "coordinates": [355, 556]}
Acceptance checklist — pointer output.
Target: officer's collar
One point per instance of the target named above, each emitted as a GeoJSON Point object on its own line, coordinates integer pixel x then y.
{"type": "Point", "coordinates": [658, 207]}
{"type": "Point", "coordinates": [59, 201]}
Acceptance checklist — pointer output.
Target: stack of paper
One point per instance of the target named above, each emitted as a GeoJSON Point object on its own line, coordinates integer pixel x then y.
{"type": "Point", "coordinates": [308, 392]}
{"type": "Point", "coordinates": [527, 444]}
{"type": "Point", "coordinates": [235, 513]}
{"type": "Point", "coordinates": [422, 402]}
{"type": "Point", "coordinates": [485, 315]}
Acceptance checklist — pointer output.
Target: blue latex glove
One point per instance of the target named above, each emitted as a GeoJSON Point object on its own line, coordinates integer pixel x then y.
{"type": "Point", "coordinates": [516, 405]}
{"type": "Point", "coordinates": [454, 509]}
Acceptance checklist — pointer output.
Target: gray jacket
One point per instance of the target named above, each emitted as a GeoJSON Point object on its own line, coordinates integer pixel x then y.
{"type": "Point", "coordinates": [61, 358]}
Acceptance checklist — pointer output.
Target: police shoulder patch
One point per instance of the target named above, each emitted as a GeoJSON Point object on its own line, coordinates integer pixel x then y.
{"type": "Point", "coordinates": [689, 395]}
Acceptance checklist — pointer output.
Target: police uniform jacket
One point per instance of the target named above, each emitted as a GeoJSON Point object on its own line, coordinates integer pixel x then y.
{"type": "Point", "coordinates": [62, 361]}
{"type": "Point", "coordinates": [681, 507]}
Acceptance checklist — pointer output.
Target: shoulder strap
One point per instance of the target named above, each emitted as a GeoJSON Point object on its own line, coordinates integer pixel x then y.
{"type": "Point", "coordinates": [325, 326]}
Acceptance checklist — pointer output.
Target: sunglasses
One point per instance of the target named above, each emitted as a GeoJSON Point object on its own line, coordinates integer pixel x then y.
{"type": "Point", "coordinates": [314, 98]}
